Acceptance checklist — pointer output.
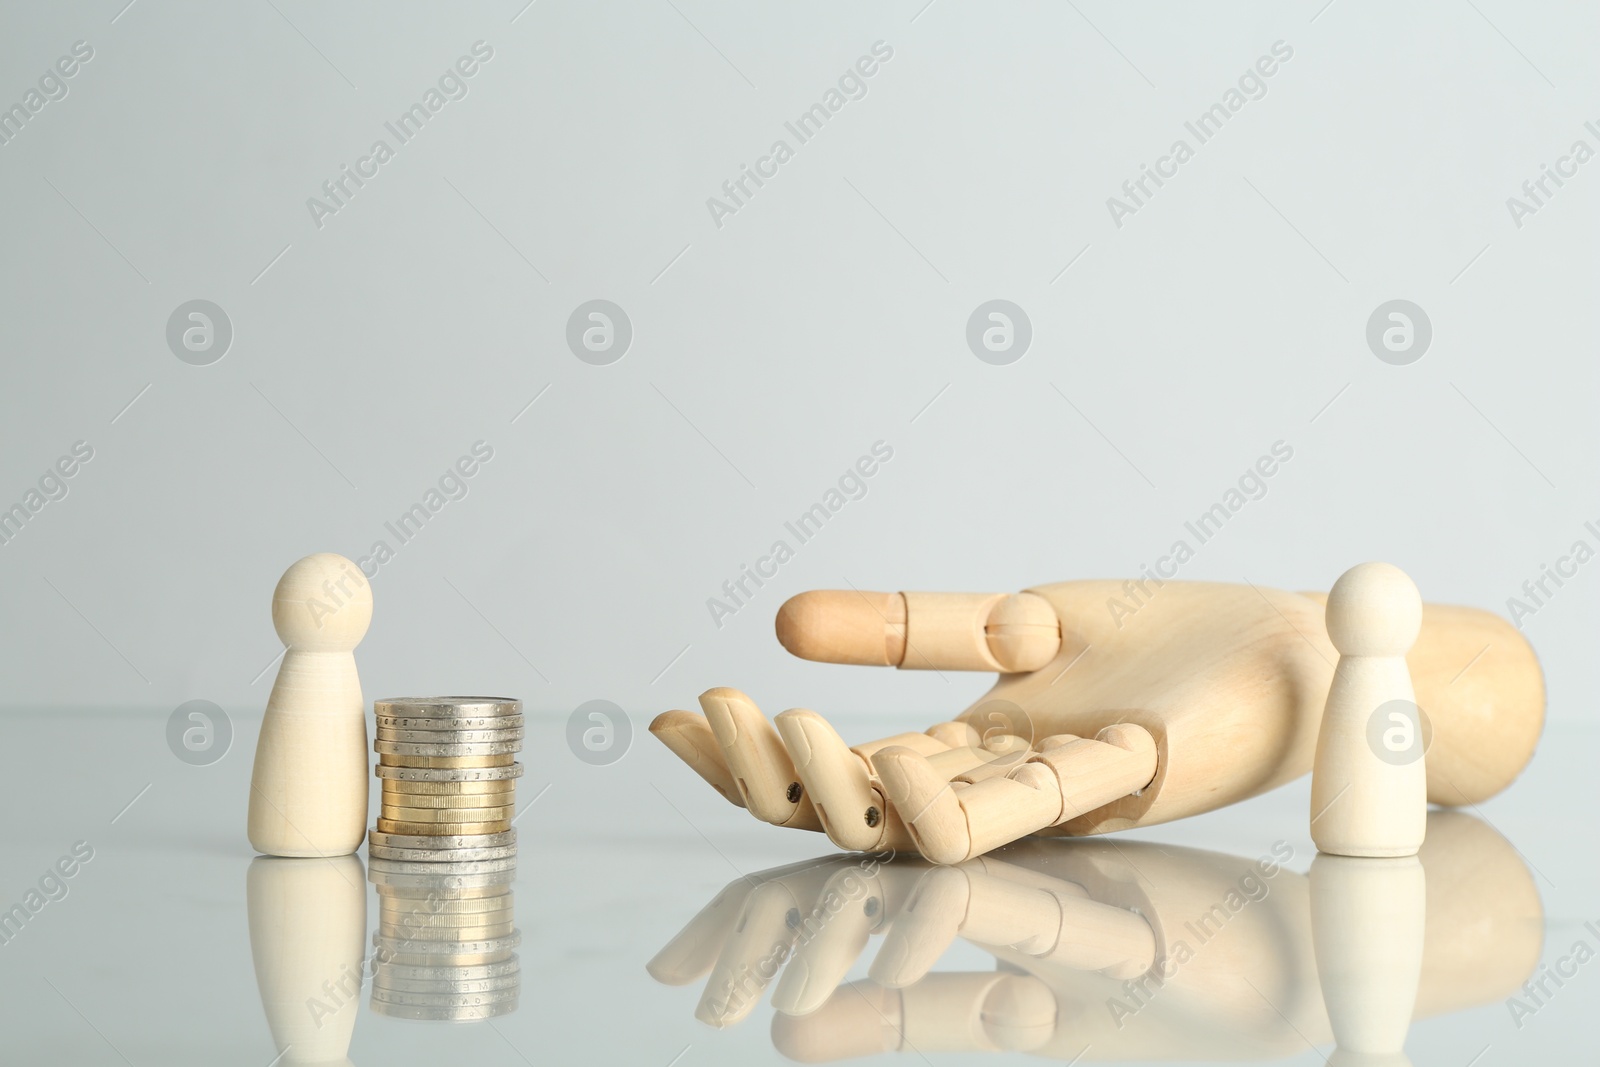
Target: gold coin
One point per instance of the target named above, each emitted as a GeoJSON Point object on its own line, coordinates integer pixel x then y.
{"type": "Point", "coordinates": [464, 926]}
{"type": "Point", "coordinates": [391, 760]}
{"type": "Point", "coordinates": [495, 809]}
{"type": "Point", "coordinates": [449, 789]}
{"type": "Point", "coordinates": [391, 906]}
{"type": "Point", "coordinates": [391, 909]}
{"type": "Point", "coordinates": [453, 937]}
{"type": "Point", "coordinates": [389, 924]}
{"type": "Point", "coordinates": [446, 933]}
{"type": "Point", "coordinates": [403, 814]}
{"type": "Point", "coordinates": [447, 920]}
{"type": "Point", "coordinates": [443, 829]}
{"type": "Point", "coordinates": [446, 800]}
{"type": "Point", "coordinates": [454, 813]}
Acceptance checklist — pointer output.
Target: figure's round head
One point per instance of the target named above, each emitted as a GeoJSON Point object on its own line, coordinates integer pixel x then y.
{"type": "Point", "coordinates": [1374, 610]}
{"type": "Point", "coordinates": [322, 604]}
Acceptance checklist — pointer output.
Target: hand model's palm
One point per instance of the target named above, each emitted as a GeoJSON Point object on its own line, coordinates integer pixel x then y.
{"type": "Point", "coordinates": [1118, 705]}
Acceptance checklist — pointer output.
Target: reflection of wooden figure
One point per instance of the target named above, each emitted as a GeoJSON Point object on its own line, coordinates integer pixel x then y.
{"type": "Point", "coordinates": [308, 926]}
{"type": "Point", "coordinates": [1369, 783]}
{"type": "Point", "coordinates": [1199, 696]}
{"type": "Point", "coordinates": [308, 791]}
{"type": "Point", "coordinates": [1368, 917]}
{"type": "Point", "coordinates": [1138, 950]}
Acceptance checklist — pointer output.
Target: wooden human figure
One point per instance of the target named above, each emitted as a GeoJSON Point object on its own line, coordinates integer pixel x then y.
{"type": "Point", "coordinates": [1369, 783]}
{"type": "Point", "coordinates": [308, 791]}
{"type": "Point", "coordinates": [1104, 717]}
{"type": "Point", "coordinates": [308, 928]}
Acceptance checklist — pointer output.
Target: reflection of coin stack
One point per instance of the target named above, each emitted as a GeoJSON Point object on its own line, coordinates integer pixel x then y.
{"type": "Point", "coordinates": [449, 773]}
{"type": "Point", "coordinates": [445, 944]}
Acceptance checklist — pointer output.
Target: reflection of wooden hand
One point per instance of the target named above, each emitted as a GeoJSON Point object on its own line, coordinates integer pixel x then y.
{"type": "Point", "coordinates": [1137, 950]}
{"type": "Point", "coordinates": [1102, 719]}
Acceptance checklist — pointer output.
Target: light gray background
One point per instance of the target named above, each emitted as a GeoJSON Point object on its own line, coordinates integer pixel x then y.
{"type": "Point", "coordinates": [768, 355]}
{"type": "Point", "coordinates": [826, 315]}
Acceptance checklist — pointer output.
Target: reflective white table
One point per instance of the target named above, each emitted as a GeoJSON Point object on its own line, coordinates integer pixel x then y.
{"type": "Point", "coordinates": [140, 929]}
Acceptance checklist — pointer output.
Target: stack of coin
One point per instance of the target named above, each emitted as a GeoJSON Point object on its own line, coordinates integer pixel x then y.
{"type": "Point", "coordinates": [445, 944]}
{"type": "Point", "coordinates": [449, 773]}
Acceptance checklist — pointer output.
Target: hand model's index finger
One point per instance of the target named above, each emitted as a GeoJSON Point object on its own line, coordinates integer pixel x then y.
{"type": "Point", "coordinates": [763, 774]}
{"type": "Point", "coordinates": [689, 737]}
{"type": "Point", "coordinates": [921, 631]}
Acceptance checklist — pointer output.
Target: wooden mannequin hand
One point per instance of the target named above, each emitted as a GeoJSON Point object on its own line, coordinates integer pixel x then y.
{"type": "Point", "coordinates": [1119, 704]}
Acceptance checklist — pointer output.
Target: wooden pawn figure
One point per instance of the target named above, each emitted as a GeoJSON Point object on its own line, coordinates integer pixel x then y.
{"type": "Point", "coordinates": [1369, 786]}
{"type": "Point", "coordinates": [308, 792]}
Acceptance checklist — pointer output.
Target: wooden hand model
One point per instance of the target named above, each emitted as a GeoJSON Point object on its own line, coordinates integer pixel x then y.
{"type": "Point", "coordinates": [1119, 704]}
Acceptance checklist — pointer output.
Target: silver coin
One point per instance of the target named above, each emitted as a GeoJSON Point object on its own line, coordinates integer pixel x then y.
{"type": "Point", "coordinates": [449, 774]}
{"type": "Point", "coordinates": [447, 986]}
{"type": "Point", "coordinates": [447, 707]}
{"type": "Point", "coordinates": [440, 724]}
{"type": "Point", "coordinates": [399, 918]}
{"type": "Point", "coordinates": [393, 870]}
{"type": "Point", "coordinates": [456, 961]}
{"type": "Point", "coordinates": [490, 794]}
{"type": "Point", "coordinates": [449, 737]}
{"type": "Point", "coordinates": [450, 998]}
{"type": "Point", "coordinates": [447, 748]}
{"type": "Point", "coordinates": [411, 972]}
{"type": "Point", "coordinates": [401, 950]}
{"type": "Point", "coordinates": [405, 953]}
{"type": "Point", "coordinates": [505, 837]}
{"type": "Point", "coordinates": [441, 855]}
{"type": "Point", "coordinates": [445, 1015]}
{"type": "Point", "coordinates": [443, 1000]}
